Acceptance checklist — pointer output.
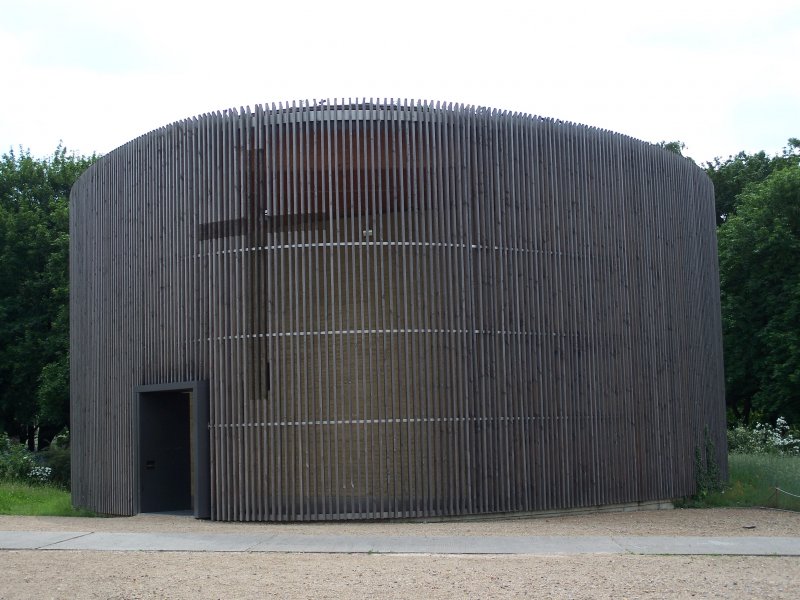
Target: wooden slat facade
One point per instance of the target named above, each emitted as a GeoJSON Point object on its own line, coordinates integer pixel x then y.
{"type": "Point", "coordinates": [402, 309]}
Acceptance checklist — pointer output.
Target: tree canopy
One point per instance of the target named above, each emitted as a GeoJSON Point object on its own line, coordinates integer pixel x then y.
{"type": "Point", "coordinates": [759, 254]}
{"type": "Point", "coordinates": [757, 202]}
{"type": "Point", "coordinates": [34, 289]}
{"type": "Point", "coordinates": [758, 214]}
{"type": "Point", "coordinates": [732, 175]}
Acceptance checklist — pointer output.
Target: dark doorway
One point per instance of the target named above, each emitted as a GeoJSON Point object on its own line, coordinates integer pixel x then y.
{"type": "Point", "coordinates": [165, 452]}
{"type": "Point", "coordinates": [173, 452]}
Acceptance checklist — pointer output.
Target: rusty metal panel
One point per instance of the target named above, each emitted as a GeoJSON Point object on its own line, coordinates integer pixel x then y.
{"type": "Point", "coordinates": [402, 309]}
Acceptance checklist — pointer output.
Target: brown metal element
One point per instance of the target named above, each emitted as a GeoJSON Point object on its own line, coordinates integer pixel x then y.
{"type": "Point", "coordinates": [402, 310]}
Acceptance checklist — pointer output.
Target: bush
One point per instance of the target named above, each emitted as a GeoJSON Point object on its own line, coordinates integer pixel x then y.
{"type": "Point", "coordinates": [57, 459]}
{"type": "Point", "coordinates": [61, 439]}
{"type": "Point", "coordinates": [17, 464]}
{"type": "Point", "coordinates": [706, 469]}
{"type": "Point", "coordinates": [764, 439]}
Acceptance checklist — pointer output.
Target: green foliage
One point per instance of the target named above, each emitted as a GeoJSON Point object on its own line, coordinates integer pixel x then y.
{"type": "Point", "coordinates": [53, 391]}
{"type": "Point", "coordinates": [676, 147]}
{"type": "Point", "coordinates": [707, 474]}
{"type": "Point", "coordinates": [732, 176]}
{"type": "Point", "coordinates": [764, 439]}
{"type": "Point", "coordinates": [58, 461]}
{"type": "Point", "coordinates": [16, 463]}
{"type": "Point", "coordinates": [762, 460]}
{"type": "Point", "coordinates": [41, 500]}
{"type": "Point", "coordinates": [759, 248]}
{"type": "Point", "coordinates": [61, 439]}
{"type": "Point", "coordinates": [34, 291]}
{"type": "Point", "coordinates": [753, 479]}
{"type": "Point", "coordinates": [51, 466]}
{"type": "Point", "coordinates": [713, 475]}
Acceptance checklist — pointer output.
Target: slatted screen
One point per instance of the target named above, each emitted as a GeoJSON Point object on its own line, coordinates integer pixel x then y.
{"type": "Point", "coordinates": [402, 309]}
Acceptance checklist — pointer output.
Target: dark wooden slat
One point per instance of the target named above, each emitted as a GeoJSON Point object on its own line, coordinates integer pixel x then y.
{"type": "Point", "coordinates": [402, 309]}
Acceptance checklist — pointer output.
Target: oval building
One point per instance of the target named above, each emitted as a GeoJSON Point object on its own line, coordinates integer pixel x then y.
{"type": "Point", "coordinates": [384, 309]}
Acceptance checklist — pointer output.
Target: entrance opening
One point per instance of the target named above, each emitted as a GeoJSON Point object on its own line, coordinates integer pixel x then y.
{"type": "Point", "coordinates": [166, 452]}
{"type": "Point", "coordinates": [173, 457]}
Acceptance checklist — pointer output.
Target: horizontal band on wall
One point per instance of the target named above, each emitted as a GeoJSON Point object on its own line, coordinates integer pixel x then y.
{"type": "Point", "coordinates": [401, 309]}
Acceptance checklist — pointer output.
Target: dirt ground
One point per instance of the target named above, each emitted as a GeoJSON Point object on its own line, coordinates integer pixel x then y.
{"type": "Point", "coordinates": [706, 522]}
{"type": "Point", "coordinates": [73, 574]}
{"type": "Point", "coordinates": [66, 574]}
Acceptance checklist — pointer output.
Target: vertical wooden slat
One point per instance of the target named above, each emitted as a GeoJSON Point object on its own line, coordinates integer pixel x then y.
{"type": "Point", "coordinates": [402, 308]}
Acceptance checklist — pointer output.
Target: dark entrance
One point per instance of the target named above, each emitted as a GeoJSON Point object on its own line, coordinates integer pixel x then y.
{"type": "Point", "coordinates": [173, 456]}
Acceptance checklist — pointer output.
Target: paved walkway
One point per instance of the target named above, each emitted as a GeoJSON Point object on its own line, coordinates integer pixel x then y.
{"type": "Point", "coordinates": [542, 545]}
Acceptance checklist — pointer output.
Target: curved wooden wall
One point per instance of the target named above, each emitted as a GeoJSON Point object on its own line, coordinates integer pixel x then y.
{"type": "Point", "coordinates": [402, 309]}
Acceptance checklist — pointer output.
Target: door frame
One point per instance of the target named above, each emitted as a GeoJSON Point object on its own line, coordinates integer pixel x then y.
{"type": "Point", "coordinates": [199, 439]}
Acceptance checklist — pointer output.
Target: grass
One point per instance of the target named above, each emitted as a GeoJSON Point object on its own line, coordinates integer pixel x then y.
{"type": "Point", "coordinates": [39, 500]}
{"type": "Point", "coordinates": [753, 479]}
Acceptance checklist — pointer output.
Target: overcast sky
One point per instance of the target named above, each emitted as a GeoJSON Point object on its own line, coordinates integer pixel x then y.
{"type": "Point", "coordinates": [719, 75]}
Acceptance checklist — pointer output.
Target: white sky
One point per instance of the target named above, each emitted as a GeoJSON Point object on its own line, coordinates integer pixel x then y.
{"type": "Point", "coordinates": [719, 75]}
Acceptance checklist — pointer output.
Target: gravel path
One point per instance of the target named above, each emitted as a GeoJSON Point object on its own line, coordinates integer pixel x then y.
{"type": "Point", "coordinates": [710, 522]}
{"type": "Point", "coordinates": [71, 574]}
{"type": "Point", "coordinates": [202, 575]}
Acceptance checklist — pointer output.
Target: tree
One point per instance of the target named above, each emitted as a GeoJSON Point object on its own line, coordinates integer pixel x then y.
{"type": "Point", "coordinates": [732, 176]}
{"type": "Point", "coordinates": [759, 252]}
{"type": "Point", "coordinates": [676, 147]}
{"type": "Point", "coordinates": [34, 296]}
